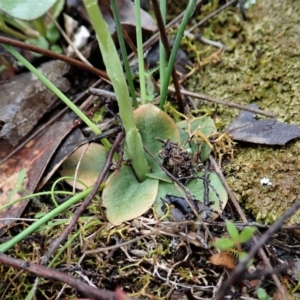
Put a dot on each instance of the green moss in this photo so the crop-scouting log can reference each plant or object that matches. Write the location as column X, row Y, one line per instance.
column 262, row 66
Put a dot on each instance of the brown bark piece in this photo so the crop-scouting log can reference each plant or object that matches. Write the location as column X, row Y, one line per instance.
column 25, row 99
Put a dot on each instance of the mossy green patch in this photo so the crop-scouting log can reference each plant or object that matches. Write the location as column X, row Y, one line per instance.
column 261, row 66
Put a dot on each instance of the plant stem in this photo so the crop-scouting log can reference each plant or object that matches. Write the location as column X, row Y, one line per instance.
column 112, row 62
column 31, row 196
column 140, row 51
column 124, row 52
column 133, row 142
column 64, row 247
column 165, row 42
column 187, row 14
column 22, row 26
column 162, row 52
column 10, row 31
column 35, row 226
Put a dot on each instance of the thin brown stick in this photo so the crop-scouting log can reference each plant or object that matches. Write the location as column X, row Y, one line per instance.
column 85, row 203
column 68, row 40
column 228, row 189
column 276, row 270
column 253, row 224
column 67, row 59
column 227, row 103
column 104, row 93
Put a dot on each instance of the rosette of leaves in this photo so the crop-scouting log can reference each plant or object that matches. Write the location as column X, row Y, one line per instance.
column 141, row 182
column 125, row 197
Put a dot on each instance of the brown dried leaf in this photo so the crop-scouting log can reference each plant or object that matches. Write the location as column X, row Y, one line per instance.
column 34, row 158
column 223, row 259
column 127, row 17
column 74, row 140
column 183, row 64
column 269, row 132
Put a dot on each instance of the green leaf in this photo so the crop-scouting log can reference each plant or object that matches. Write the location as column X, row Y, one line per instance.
column 21, row 177
column 246, row 234
column 224, row 244
column 196, row 188
column 262, row 294
column 160, row 176
column 217, row 193
column 152, row 123
column 52, row 33
column 232, row 231
column 57, row 8
column 165, row 188
column 242, row 256
column 40, row 42
column 26, row 9
column 125, row 198
column 92, row 159
column 56, row 49
column 192, row 131
column 134, row 150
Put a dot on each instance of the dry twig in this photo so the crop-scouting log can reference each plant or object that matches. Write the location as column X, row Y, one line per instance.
column 87, row 290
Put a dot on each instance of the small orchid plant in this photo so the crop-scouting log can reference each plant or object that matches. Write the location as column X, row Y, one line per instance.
column 143, row 183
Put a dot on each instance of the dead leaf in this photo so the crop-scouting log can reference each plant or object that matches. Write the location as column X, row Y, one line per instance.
column 269, row 131
column 34, row 158
column 183, row 64
column 223, row 259
column 5, row 149
column 74, row 140
column 25, row 99
column 127, row 17
column 192, row 237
